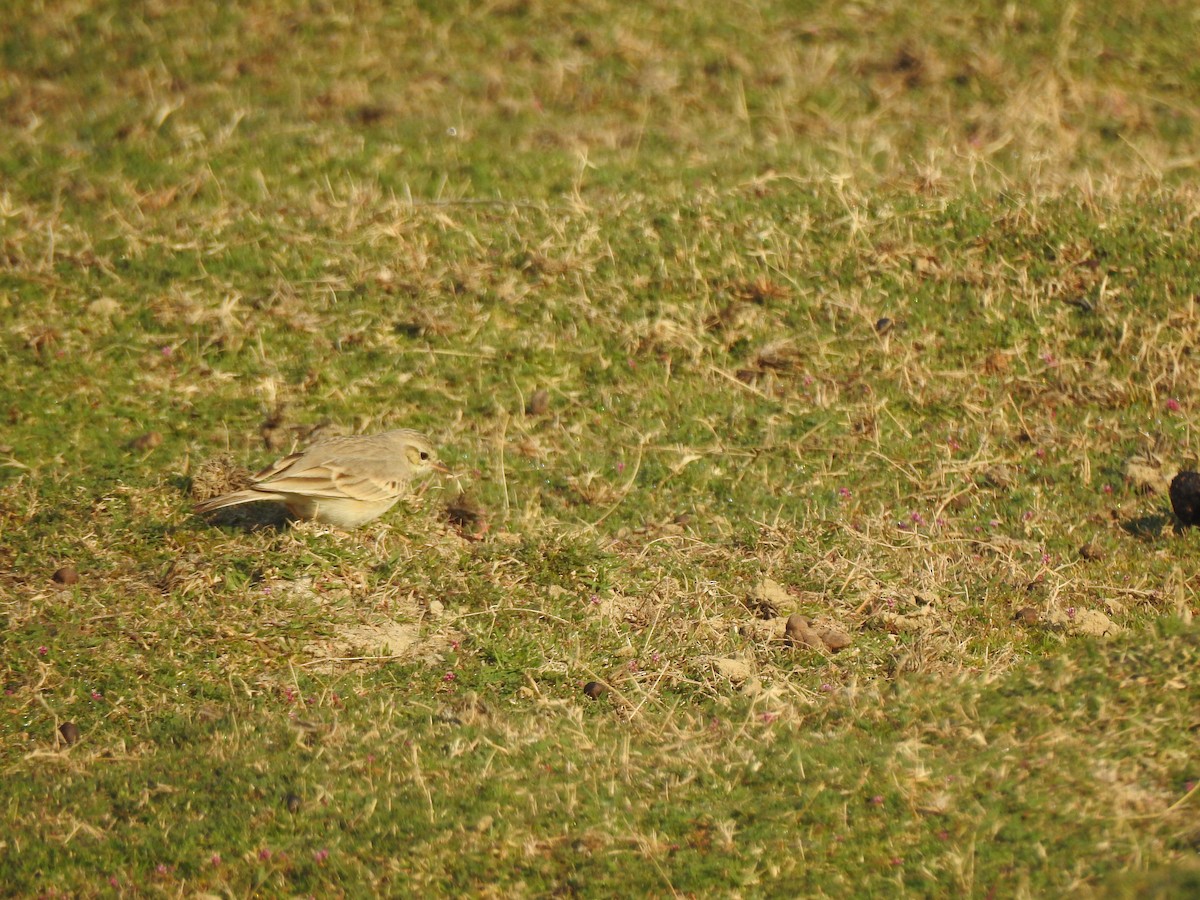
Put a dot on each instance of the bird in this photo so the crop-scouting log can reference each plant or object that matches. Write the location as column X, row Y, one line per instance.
column 1185, row 497
column 341, row 481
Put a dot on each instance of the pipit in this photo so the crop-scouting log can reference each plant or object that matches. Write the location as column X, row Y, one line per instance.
column 342, row 481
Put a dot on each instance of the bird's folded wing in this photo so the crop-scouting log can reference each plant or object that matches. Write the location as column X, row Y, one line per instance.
column 333, row 482
column 275, row 468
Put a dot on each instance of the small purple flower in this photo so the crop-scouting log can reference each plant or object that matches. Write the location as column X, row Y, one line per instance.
column 844, row 493
column 215, row 859
column 161, row 869
column 321, row 855
column 1070, row 612
column 917, row 518
column 826, row 687
column 877, row 800
column 1173, row 405
column 1108, row 489
column 264, row 854
column 43, row 650
column 96, row 695
column 449, row 676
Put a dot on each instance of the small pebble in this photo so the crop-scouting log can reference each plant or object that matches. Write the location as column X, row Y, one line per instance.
column 595, row 690
column 1026, row 615
column 800, row 634
column 147, row 441
column 69, row 732
column 834, row 639
column 883, row 325
column 66, row 576
column 1091, row 551
column 539, row 403
column 292, row 802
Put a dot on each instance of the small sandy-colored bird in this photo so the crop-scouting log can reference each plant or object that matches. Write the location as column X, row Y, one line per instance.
column 342, row 481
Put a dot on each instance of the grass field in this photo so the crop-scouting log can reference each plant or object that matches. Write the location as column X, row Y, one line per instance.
column 879, row 313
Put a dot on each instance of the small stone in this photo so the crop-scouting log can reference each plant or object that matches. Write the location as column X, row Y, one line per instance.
column 884, row 325
column 834, row 638
column 736, row 670
column 1147, row 475
column 539, row 403
column 292, row 802
column 1026, row 615
column 595, row 690
column 69, row 732
column 1185, row 497
column 66, row 576
column 1094, row 623
column 799, row 633
column 1091, row 551
column 147, row 441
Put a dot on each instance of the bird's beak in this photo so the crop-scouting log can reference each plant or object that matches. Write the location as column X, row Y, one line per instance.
column 440, row 466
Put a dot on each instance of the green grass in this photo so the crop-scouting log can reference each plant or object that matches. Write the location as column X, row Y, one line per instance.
column 226, row 228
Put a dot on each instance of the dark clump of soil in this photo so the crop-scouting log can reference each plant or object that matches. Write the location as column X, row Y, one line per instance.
column 1185, row 497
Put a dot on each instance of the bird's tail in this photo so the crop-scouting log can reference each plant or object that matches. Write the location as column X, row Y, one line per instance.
column 234, row 499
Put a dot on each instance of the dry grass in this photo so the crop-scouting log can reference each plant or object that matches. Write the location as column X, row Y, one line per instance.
column 878, row 316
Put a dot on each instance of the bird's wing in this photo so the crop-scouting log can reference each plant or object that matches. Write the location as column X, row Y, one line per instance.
column 342, row 478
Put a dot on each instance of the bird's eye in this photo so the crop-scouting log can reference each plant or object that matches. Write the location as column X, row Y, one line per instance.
column 424, row 454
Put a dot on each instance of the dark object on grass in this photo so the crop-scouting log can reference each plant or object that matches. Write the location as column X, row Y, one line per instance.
column 594, row 689
column 468, row 516
column 292, row 802
column 884, row 325
column 1185, row 497
column 1026, row 615
column 66, row 576
column 539, row 403
column 69, row 732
